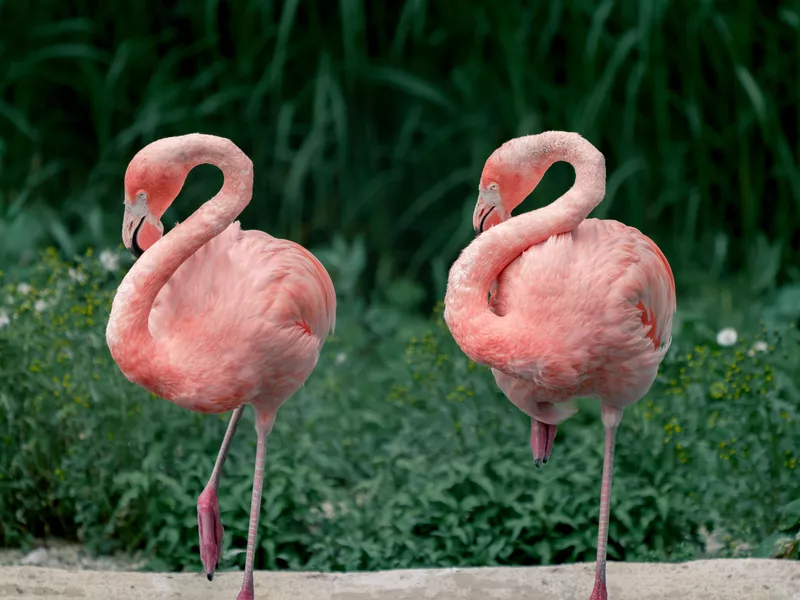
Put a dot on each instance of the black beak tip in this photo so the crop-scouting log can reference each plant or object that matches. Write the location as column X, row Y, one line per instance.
column 135, row 248
column 479, row 228
column 210, row 576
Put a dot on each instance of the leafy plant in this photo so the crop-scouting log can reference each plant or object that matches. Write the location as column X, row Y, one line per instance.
column 399, row 452
column 785, row 542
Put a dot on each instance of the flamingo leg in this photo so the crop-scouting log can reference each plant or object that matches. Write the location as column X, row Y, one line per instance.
column 209, row 523
column 264, row 425
column 599, row 592
column 542, row 436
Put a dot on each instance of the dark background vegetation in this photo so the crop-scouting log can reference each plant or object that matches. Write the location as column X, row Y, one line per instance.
column 373, row 119
column 368, row 124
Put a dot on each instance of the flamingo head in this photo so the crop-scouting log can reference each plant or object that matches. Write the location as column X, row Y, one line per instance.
column 152, row 181
column 508, row 177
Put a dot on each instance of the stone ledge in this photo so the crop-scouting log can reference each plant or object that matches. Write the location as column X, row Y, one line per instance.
column 739, row 579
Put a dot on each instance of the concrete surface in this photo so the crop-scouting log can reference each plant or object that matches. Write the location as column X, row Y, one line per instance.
column 736, row 579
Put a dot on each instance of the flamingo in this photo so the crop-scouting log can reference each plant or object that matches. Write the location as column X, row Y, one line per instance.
column 212, row 317
column 580, row 307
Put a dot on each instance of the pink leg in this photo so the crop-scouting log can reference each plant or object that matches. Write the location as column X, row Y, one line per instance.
column 264, row 425
column 611, row 419
column 542, row 436
column 209, row 523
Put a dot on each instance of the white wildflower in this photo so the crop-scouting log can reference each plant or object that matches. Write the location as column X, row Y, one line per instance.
column 340, row 358
column 328, row 510
column 759, row 346
column 76, row 275
column 109, row 260
column 4, row 320
column 40, row 305
column 24, row 288
column 727, row 336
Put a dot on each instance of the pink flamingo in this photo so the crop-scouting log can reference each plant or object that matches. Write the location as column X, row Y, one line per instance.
column 580, row 307
column 212, row 317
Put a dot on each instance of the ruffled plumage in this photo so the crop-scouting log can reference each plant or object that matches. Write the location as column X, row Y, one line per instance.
column 244, row 294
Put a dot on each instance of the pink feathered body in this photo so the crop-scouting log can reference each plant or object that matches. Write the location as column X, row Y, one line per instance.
column 597, row 304
column 242, row 320
column 579, row 307
column 211, row 317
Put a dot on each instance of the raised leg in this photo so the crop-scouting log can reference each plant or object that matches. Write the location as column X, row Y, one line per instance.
column 542, row 436
column 611, row 421
column 264, row 423
column 209, row 523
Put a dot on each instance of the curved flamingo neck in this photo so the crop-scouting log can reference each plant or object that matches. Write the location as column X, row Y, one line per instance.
column 478, row 331
column 128, row 334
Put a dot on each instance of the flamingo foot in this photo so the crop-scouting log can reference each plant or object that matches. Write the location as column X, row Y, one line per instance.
column 542, row 437
column 599, row 592
column 247, row 592
column 209, row 525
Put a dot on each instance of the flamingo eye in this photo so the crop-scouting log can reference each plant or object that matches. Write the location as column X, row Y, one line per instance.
column 493, row 187
column 141, row 197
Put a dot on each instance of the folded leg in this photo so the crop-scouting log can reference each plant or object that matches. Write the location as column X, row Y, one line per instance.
column 542, row 437
column 209, row 523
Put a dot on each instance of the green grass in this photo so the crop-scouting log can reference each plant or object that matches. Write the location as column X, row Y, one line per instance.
column 398, row 452
column 374, row 119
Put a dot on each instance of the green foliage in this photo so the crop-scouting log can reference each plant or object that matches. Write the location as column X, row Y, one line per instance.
column 399, row 452
column 375, row 118
column 784, row 543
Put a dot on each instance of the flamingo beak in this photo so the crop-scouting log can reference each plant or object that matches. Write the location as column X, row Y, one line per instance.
column 131, row 225
column 488, row 213
column 480, row 222
column 140, row 228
